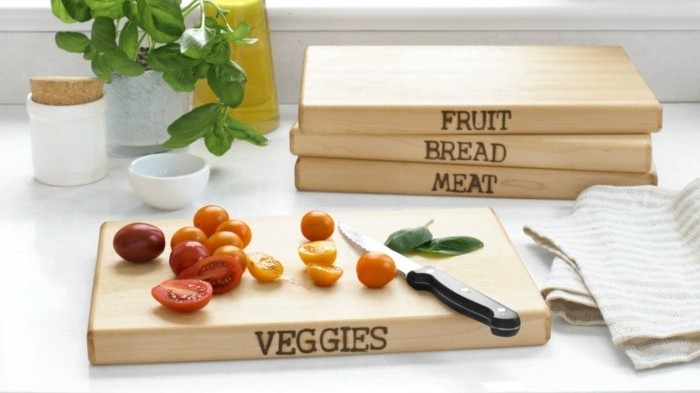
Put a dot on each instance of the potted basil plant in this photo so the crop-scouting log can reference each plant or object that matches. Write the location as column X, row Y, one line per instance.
column 128, row 37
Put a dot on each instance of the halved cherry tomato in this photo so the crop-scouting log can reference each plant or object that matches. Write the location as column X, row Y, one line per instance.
column 187, row 233
column 187, row 254
column 264, row 267
column 322, row 275
column 320, row 252
column 209, row 217
column 223, row 238
column 238, row 227
column 183, row 295
column 223, row 272
column 139, row 242
column 375, row 269
column 233, row 251
column 317, row 225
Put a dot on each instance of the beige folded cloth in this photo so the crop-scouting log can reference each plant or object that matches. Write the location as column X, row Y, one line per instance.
column 629, row 257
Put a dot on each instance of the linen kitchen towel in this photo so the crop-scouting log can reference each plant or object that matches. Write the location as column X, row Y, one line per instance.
column 629, row 257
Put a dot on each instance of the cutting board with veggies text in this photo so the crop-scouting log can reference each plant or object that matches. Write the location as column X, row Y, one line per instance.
column 292, row 317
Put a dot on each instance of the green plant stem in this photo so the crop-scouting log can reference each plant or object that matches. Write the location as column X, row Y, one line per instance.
column 220, row 13
column 193, row 5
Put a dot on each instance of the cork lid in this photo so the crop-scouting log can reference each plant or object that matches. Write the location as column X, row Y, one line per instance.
column 65, row 90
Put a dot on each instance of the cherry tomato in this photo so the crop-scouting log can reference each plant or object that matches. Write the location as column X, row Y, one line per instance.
column 223, row 238
column 187, row 254
column 233, row 251
column 187, row 233
column 209, row 217
column 183, row 295
column 264, row 267
column 321, row 252
column 223, row 272
column 139, row 242
column 238, row 227
column 323, row 275
column 317, row 225
column 375, row 269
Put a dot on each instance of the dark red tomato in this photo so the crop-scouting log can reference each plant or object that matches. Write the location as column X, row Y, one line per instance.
column 139, row 242
column 183, row 295
column 186, row 254
column 223, row 272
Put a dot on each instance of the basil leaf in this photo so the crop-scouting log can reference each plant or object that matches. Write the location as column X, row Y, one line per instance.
column 113, row 9
column 453, row 245
column 409, row 238
column 238, row 34
column 72, row 41
column 181, row 79
column 122, row 64
column 195, row 42
column 161, row 19
column 100, row 66
column 193, row 125
column 243, row 131
column 129, row 39
column 218, row 141
column 168, row 57
column 227, row 81
column 219, row 52
column 103, row 35
column 70, row 11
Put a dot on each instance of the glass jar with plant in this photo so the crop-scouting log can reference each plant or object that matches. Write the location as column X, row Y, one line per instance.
column 130, row 36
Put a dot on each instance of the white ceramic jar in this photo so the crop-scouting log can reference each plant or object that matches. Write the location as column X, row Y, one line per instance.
column 69, row 142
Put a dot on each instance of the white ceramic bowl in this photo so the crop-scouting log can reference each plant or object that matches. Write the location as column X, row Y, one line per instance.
column 169, row 181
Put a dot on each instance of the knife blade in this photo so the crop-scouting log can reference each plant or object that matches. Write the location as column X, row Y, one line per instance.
column 503, row 321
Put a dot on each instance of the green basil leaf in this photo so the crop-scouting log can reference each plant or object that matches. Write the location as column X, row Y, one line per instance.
column 122, row 64
column 72, row 41
column 409, row 238
column 104, row 35
column 130, row 10
column 129, row 39
column 195, row 42
column 238, row 34
column 113, row 9
column 168, row 57
column 201, row 70
column 245, row 132
column 182, row 80
column 70, row 11
column 193, row 125
column 219, row 52
column 218, row 141
column 100, row 66
column 161, row 19
column 453, row 245
column 227, row 81
column 89, row 53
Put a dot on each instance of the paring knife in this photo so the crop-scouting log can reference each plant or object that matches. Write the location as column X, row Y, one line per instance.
column 468, row 301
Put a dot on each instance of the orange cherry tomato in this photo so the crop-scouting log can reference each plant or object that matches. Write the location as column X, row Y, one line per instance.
column 264, row 267
column 233, row 251
column 238, row 227
column 375, row 269
column 223, row 238
column 209, row 217
column 183, row 295
column 322, row 275
column 317, row 225
column 320, row 252
column 186, row 234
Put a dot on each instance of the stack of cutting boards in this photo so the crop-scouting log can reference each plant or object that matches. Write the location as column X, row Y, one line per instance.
column 487, row 121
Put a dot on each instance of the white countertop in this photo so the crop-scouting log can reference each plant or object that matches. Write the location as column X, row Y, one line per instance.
column 49, row 238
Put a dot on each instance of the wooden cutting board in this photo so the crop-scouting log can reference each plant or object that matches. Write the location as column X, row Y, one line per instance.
column 293, row 318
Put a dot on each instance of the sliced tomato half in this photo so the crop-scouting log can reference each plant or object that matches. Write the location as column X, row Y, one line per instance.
column 223, row 272
column 183, row 295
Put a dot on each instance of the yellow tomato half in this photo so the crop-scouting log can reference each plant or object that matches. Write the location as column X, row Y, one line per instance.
column 322, row 252
column 264, row 267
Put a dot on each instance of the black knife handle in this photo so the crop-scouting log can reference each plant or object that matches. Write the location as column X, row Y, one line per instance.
column 503, row 321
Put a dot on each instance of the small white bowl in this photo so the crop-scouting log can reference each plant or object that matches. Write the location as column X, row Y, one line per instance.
column 169, row 181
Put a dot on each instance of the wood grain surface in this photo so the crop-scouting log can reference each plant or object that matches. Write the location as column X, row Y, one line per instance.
column 474, row 90
column 292, row 317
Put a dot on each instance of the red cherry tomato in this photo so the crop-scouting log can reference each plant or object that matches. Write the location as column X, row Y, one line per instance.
column 139, row 242
column 183, row 295
column 223, row 272
column 186, row 254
